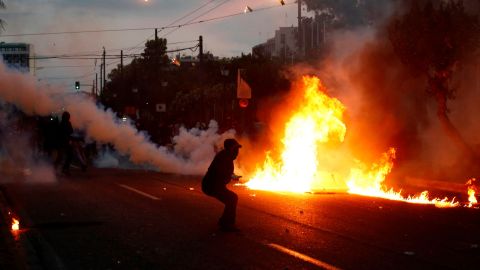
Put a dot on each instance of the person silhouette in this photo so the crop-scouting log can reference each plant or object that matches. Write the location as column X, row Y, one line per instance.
column 214, row 183
column 65, row 143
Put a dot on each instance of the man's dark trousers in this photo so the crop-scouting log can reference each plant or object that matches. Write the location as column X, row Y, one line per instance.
column 230, row 199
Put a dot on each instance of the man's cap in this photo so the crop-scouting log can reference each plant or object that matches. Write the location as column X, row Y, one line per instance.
column 231, row 143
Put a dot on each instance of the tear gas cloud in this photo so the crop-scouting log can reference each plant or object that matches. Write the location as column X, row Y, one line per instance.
column 193, row 149
column 17, row 152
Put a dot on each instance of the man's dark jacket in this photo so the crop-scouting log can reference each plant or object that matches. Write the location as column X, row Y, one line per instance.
column 66, row 131
column 219, row 174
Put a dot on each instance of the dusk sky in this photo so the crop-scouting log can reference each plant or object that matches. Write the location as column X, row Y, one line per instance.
column 225, row 38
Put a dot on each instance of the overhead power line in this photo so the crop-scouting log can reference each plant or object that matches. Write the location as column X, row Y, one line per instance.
column 143, row 28
column 192, row 12
column 77, row 66
column 98, row 56
column 170, row 26
column 99, row 52
column 199, row 16
column 111, row 57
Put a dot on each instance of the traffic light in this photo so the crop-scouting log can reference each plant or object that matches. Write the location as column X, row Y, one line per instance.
column 77, row 85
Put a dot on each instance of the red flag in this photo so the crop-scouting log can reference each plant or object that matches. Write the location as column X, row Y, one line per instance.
column 243, row 89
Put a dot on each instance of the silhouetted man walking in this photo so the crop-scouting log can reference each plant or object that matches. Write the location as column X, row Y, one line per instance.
column 65, row 146
column 215, row 182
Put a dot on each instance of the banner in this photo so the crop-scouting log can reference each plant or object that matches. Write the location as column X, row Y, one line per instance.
column 243, row 89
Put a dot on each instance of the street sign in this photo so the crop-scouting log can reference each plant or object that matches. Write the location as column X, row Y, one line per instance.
column 243, row 89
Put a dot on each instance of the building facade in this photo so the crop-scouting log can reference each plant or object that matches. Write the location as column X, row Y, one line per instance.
column 291, row 44
column 18, row 56
column 283, row 45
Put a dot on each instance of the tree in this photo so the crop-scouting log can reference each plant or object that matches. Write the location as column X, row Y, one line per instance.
column 349, row 13
column 154, row 54
column 434, row 40
column 2, row 22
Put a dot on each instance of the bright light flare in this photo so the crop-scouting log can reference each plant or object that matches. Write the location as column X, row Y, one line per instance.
column 15, row 224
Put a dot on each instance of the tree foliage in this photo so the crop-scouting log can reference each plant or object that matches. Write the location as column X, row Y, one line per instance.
column 349, row 13
column 192, row 92
column 434, row 39
column 2, row 6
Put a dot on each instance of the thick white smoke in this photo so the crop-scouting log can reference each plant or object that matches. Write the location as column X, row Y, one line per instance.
column 18, row 159
column 193, row 149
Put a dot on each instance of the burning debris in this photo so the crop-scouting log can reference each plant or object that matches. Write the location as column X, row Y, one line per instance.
column 15, row 225
column 472, row 189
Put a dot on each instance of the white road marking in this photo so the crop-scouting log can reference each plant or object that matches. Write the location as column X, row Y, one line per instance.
column 303, row 257
column 139, row 192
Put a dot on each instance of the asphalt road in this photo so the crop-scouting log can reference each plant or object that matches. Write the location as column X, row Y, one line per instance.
column 125, row 219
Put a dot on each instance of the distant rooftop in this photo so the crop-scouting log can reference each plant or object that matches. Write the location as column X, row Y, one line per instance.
column 17, row 44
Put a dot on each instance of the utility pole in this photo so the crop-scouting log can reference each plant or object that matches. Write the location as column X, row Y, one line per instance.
column 96, row 84
column 300, row 29
column 104, row 72
column 101, row 79
column 200, row 48
column 121, row 63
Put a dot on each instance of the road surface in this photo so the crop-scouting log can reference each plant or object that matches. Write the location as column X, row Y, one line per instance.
column 128, row 219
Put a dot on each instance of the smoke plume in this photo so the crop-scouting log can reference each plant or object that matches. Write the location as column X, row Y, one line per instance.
column 193, row 149
column 18, row 157
column 388, row 105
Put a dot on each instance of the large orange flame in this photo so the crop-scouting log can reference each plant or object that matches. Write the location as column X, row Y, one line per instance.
column 319, row 120
column 314, row 158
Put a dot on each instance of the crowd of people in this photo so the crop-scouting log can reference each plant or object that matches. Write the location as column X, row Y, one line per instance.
column 54, row 138
column 49, row 138
column 63, row 145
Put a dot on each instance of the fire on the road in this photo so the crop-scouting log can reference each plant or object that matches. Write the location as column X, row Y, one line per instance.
column 15, row 224
column 313, row 157
column 472, row 200
column 318, row 121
